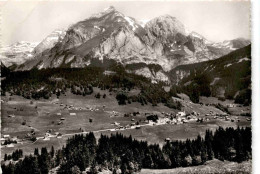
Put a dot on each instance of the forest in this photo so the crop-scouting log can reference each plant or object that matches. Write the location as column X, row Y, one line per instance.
column 126, row 155
column 37, row 84
column 44, row 83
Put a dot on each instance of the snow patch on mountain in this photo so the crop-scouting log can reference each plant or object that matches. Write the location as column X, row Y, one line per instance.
column 131, row 22
column 105, row 11
column 143, row 22
column 243, row 59
column 17, row 53
column 227, row 65
column 50, row 41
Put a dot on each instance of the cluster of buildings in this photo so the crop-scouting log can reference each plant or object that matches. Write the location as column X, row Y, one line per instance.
column 172, row 118
column 49, row 134
column 9, row 141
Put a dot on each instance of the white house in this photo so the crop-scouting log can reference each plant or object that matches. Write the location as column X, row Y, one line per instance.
column 6, row 136
column 72, row 114
column 181, row 114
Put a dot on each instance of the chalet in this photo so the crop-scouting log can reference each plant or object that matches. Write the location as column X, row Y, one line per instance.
column 200, row 120
column 14, row 138
column 47, row 134
column 132, row 124
column 194, row 113
column 138, row 127
column 72, row 114
column 167, row 139
column 49, row 131
column 6, row 136
column 59, row 135
column 46, row 139
column 181, row 114
column 62, row 118
column 12, row 115
column 184, row 121
column 178, row 119
column 58, row 113
column 10, row 145
column 227, row 118
column 116, row 123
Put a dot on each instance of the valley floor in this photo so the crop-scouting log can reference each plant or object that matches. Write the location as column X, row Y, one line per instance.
column 71, row 114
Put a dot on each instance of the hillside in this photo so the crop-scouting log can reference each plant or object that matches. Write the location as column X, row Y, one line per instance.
column 227, row 77
column 213, row 166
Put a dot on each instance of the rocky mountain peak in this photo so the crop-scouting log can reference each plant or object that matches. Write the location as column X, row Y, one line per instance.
column 106, row 11
column 110, row 36
column 197, row 35
column 50, row 41
column 166, row 23
column 109, row 9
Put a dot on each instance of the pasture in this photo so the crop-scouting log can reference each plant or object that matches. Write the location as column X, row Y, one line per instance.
column 70, row 114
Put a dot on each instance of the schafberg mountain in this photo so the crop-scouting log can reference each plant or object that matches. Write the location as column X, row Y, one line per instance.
column 111, row 37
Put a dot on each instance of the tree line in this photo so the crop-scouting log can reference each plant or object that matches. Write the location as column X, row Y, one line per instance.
column 121, row 154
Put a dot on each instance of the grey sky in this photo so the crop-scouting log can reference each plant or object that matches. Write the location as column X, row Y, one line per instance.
column 33, row 21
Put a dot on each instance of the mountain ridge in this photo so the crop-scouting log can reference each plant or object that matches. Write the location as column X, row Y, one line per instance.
column 110, row 36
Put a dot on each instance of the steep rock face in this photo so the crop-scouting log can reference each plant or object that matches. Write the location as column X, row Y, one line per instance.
column 50, row 41
column 100, row 25
column 17, row 53
column 180, row 74
column 165, row 29
column 110, row 36
column 155, row 76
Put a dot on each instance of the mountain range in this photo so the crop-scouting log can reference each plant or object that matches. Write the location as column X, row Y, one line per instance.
column 152, row 49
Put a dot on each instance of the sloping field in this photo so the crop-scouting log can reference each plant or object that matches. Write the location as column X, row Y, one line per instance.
column 212, row 167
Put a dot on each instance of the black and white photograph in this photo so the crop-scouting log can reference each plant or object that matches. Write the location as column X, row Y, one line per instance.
column 126, row 87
